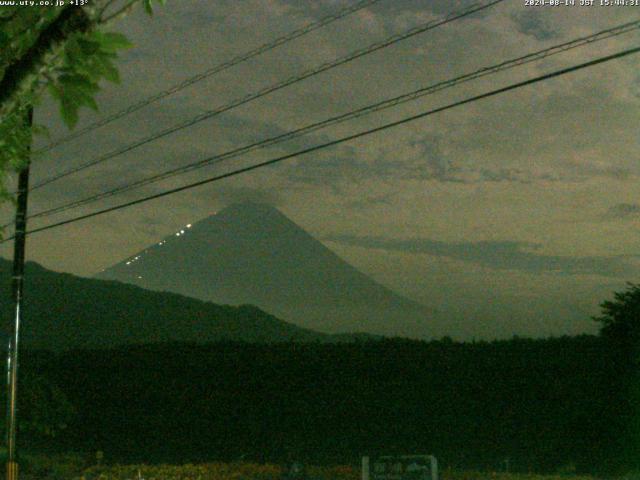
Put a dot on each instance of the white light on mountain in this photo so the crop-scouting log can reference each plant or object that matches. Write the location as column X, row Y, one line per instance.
column 188, row 225
column 129, row 262
column 178, row 234
column 182, row 231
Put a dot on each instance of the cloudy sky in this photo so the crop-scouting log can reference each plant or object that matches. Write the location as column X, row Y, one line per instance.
column 516, row 214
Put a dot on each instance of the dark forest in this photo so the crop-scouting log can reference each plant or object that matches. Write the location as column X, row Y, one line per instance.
column 546, row 405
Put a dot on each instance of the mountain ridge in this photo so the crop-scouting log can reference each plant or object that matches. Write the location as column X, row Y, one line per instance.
column 63, row 311
column 253, row 253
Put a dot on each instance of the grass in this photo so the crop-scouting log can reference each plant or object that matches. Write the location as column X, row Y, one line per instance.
column 74, row 467
column 249, row 471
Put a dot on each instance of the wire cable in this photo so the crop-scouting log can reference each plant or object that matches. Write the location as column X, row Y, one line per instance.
column 275, row 87
column 264, row 48
column 341, row 140
column 379, row 106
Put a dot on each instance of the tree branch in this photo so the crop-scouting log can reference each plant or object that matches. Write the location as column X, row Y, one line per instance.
column 21, row 75
column 118, row 13
column 103, row 9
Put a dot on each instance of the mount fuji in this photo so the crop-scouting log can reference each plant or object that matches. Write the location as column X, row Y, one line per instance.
column 251, row 253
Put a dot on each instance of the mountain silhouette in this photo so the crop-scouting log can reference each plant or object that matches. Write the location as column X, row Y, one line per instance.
column 63, row 311
column 252, row 253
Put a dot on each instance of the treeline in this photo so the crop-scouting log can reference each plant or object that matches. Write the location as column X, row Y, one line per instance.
column 534, row 405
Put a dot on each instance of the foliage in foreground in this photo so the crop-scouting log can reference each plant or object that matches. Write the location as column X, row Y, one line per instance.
column 249, row 471
column 472, row 475
column 40, row 466
column 63, row 50
column 212, row 471
column 620, row 317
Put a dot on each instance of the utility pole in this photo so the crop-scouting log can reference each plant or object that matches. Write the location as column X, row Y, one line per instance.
column 18, row 286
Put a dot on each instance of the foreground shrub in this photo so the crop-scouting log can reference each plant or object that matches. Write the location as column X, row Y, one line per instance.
column 250, row 471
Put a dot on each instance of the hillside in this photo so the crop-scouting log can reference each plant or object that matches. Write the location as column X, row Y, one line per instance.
column 66, row 311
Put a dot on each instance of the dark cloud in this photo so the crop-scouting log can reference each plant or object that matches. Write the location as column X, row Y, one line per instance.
column 502, row 255
column 387, row 10
column 230, row 194
column 504, row 175
column 426, row 162
column 432, row 163
column 530, row 22
column 332, row 169
column 371, row 201
column 608, row 171
column 623, row 210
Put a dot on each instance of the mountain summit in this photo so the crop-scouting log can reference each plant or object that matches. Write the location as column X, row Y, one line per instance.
column 251, row 253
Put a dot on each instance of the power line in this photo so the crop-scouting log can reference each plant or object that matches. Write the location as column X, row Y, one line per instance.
column 379, row 106
column 243, row 57
column 341, row 140
column 275, row 87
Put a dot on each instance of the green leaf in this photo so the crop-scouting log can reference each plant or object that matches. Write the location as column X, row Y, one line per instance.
column 92, row 104
column 55, row 91
column 112, row 41
column 147, row 7
column 75, row 80
column 107, row 69
column 89, row 89
column 89, row 46
column 69, row 111
column 73, row 51
column 39, row 129
column 112, row 74
column 4, row 40
column 80, row 97
column 79, row 82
